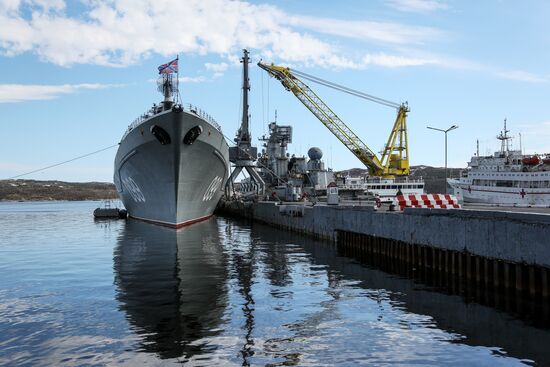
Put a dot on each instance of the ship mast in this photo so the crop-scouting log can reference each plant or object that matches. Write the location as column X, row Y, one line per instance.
column 244, row 154
column 243, row 136
column 167, row 85
column 503, row 137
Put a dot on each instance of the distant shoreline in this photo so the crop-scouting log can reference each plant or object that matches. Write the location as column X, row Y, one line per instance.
column 52, row 190
column 53, row 200
column 35, row 190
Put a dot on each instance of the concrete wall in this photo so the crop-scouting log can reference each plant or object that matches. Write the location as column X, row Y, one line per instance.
column 512, row 237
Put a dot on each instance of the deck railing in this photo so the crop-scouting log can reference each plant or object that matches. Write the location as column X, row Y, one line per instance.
column 187, row 107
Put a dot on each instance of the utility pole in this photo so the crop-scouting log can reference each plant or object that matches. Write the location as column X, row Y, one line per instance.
column 445, row 131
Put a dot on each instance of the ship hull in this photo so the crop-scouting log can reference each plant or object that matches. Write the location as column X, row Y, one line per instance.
column 171, row 183
column 469, row 193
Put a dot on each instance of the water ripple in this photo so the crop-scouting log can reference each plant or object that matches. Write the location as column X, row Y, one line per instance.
column 74, row 291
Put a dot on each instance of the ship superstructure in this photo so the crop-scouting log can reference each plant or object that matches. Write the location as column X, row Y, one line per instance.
column 290, row 177
column 508, row 177
column 386, row 189
column 173, row 161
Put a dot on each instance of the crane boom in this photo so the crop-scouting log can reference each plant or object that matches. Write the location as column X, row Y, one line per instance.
column 394, row 161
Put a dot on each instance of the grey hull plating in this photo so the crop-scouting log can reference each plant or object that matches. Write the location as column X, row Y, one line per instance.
column 173, row 184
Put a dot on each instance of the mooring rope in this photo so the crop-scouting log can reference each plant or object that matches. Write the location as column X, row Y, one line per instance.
column 64, row 162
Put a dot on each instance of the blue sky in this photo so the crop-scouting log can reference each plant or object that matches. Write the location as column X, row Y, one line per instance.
column 74, row 74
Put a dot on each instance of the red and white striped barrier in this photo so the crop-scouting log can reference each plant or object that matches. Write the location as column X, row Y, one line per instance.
column 426, row 201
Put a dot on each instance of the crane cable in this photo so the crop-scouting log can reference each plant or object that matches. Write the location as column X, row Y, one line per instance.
column 64, row 162
column 114, row 145
column 347, row 90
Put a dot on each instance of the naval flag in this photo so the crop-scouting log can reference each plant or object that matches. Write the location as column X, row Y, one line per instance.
column 169, row 68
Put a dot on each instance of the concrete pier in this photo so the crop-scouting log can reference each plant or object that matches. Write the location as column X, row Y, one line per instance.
column 502, row 250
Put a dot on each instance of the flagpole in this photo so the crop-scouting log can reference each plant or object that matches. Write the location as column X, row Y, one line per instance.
column 178, row 76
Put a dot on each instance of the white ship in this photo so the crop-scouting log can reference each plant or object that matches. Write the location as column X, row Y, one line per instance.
column 386, row 189
column 506, row 178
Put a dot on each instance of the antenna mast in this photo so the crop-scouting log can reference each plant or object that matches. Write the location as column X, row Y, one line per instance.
column 503, row 137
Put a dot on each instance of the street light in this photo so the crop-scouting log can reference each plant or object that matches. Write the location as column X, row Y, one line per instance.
column 445, row 131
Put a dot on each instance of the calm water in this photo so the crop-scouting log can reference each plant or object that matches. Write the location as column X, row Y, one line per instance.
column 74, row 291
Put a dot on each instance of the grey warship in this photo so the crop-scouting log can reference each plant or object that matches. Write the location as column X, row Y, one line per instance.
column 173, row 161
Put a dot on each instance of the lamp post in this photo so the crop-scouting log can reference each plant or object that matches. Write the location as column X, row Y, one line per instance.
column 445, row 131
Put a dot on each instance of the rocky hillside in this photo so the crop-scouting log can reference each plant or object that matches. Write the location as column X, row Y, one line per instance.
column 16, row 190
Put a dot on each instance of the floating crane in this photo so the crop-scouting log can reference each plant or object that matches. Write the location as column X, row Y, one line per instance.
column 395, row 156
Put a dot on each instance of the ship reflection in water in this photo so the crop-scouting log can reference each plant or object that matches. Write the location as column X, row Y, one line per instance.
column 172, row 285
column 232, row 293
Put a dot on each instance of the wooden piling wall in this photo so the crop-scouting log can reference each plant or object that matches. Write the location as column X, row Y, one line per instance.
column 526, row 281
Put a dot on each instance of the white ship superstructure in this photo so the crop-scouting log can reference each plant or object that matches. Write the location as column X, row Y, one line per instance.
column 386, row 189
column 506, row 178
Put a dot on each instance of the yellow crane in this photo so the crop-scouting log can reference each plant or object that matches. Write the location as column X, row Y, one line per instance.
column 395, row 156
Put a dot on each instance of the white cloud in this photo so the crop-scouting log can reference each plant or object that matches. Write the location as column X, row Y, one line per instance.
column 48, row 5
column 9, row 6
column 393, row 61
column 541, row 129
column 10, row 93
column 217, row 68
column 119, row 33
column 192, row 79
column 468, row 65
column 418, row 6
column 384, row 32
column 122, row 32
column 522, row 76
column 534, row 137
